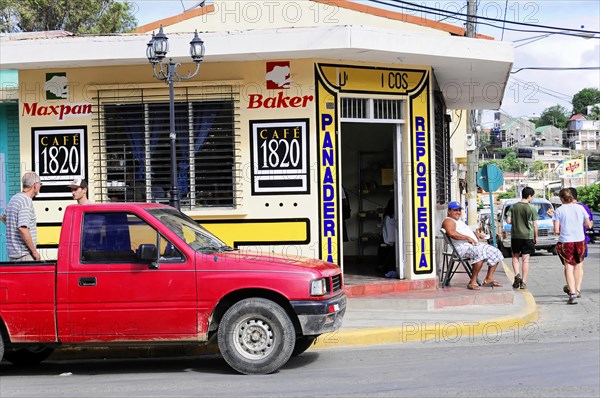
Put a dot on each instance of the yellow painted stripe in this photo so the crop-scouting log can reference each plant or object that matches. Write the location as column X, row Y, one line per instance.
column 48, row 235
column 267, row 232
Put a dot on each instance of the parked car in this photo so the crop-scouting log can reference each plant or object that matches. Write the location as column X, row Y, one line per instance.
column 546, row 237
column 594, row 233
column 484, row 222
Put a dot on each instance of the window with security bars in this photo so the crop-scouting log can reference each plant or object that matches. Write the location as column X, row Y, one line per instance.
column 442, row 151
column 135, row 152
column 372, row 109
column 387, row 109
column 355, row 108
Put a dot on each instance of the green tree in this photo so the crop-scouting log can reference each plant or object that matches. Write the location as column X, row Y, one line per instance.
column 77, row 16
column 594, row 114
column 538, row 169
column 594, row 161
column 512, row 163
column 507, row 195
column 590, row 195
column 585, row 97
column 555, row 115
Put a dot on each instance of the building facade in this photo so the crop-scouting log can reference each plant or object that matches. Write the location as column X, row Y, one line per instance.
column 582, row 134
column 285, row 118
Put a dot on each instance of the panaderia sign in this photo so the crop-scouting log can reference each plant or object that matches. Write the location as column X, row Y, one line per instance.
column 335, row 80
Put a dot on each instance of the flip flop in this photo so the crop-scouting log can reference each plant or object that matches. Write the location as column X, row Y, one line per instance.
column 473, row 287
column 492, row 284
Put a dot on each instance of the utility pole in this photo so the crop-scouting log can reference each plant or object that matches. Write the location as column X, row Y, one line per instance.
column 472, row 155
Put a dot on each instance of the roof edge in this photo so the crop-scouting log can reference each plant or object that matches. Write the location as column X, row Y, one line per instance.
column 196, row 12
column 347, row 4
column 397, row 16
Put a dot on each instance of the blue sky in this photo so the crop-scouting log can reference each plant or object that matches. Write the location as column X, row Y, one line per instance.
column 528, row 92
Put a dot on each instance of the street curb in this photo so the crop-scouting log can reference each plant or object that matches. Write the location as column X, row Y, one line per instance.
column 439, row 331
column 410, row 332
column 391, row 286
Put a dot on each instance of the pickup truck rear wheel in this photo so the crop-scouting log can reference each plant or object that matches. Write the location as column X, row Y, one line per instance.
column 1, row 348
column 256, row 336
column 28, row 356
column 303, row 343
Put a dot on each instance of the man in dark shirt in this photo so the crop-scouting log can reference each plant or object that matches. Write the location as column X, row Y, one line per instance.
column 524, row 235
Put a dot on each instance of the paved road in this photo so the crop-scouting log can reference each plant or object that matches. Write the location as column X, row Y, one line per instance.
column 557, row 356
column 559, row 321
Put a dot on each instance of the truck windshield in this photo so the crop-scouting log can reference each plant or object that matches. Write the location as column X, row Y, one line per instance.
column 196, row 236
column 540, row 208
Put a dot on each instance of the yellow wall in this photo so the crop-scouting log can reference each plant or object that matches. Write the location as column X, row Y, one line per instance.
column 288, row 224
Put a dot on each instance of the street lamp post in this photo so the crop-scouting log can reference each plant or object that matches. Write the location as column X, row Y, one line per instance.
column 156, row 52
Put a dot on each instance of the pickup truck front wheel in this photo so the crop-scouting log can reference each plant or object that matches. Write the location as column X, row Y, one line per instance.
column 256, row 336
column 1, row 348
column 28, row 356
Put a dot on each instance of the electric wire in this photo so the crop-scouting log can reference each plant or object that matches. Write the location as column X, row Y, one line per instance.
column 545, row 90
column 448, row 14
column 549, row 68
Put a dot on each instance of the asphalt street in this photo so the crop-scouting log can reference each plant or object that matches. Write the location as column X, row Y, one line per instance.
column 556, row 356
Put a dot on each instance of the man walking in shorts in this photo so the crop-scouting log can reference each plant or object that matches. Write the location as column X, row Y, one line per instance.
column 524, row 235
column 568, row 222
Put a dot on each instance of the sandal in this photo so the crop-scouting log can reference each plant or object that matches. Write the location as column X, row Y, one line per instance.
column 492, row 284
column 473, row 287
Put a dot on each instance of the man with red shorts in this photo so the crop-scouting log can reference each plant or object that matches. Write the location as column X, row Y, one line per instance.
column 568, row 221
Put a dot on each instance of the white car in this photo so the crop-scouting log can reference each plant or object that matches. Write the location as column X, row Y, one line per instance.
column 546, row 238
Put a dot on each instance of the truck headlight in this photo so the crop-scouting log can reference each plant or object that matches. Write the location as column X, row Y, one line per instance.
column 318, row 287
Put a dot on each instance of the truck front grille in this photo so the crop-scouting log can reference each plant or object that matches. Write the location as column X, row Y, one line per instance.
column 336, row 282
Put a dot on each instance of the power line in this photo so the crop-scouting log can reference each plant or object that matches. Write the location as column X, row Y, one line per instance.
column 544, row 90
column 456, row 15
column 551, row 68
column 449, row 16
column 532, row 89
column 494, row 19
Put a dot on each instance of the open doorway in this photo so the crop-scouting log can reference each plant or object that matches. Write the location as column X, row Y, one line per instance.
column 369, row 168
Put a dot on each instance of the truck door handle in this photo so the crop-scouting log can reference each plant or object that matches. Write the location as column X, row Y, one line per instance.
column 87, row 281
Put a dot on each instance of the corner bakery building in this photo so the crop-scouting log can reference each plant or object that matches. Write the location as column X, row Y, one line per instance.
column 304, row 103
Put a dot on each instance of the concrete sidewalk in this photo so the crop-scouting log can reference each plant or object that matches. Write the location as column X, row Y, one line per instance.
column 384, row 311
column 431, row 314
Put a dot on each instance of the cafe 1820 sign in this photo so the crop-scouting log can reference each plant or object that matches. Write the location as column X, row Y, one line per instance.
column 279, row 156
column 59, row 156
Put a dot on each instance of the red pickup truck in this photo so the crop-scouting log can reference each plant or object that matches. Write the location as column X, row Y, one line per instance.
column 147, row 274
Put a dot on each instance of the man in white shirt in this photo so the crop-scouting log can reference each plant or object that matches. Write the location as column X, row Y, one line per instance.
column 79, row 190
column 468, row 246
column 21, row 222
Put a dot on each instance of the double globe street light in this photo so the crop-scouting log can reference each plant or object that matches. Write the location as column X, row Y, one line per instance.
column 156, row 51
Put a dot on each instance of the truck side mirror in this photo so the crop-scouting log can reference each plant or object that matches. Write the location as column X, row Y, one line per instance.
column 147, row 252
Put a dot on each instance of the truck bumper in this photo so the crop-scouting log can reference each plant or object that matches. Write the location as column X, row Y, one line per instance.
column 318, row 317
column 542, row 243
column 546, row 243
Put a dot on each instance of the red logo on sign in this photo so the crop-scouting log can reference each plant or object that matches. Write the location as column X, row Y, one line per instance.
column 572, row 167
column 256, row 101
column 279, row 75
